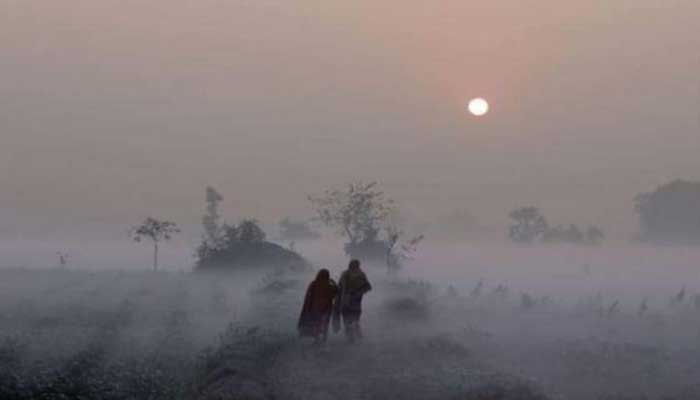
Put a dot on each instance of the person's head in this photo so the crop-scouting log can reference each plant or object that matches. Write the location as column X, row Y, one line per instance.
column 354, row 265
column 323, row 275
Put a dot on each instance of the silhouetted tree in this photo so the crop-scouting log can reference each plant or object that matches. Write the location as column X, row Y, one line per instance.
column 210, row 220
column 249, row 231
column 529, row 225
column 362, row 214
column 156, row 231
column 396, row 252
column 358, row 212
column 671, row 213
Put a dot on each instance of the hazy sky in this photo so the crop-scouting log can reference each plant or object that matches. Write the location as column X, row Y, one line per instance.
column 111, row 110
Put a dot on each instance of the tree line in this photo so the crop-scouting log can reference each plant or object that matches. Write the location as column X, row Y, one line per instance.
column 366, row 217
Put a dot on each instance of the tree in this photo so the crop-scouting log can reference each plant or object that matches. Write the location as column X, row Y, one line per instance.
column 359, row 212
column 250, row 232
column 210, row 220
column 529, row 225
column 573, row 235
column 156, row 231
column 594, row 235
column 397, row 253
column 362, row 213
column 560, row 234
column 671, row 213
column 244, row 246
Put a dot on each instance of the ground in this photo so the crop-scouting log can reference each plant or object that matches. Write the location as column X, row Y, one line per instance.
column 146, row 335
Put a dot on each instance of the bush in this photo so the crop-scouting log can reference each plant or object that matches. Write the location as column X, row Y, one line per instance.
column 244, row 247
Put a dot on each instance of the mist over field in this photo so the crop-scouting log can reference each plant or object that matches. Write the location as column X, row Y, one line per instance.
column 518, row 180
column 474, row 321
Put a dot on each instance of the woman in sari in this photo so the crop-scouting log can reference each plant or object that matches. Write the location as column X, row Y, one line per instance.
column 318, row 307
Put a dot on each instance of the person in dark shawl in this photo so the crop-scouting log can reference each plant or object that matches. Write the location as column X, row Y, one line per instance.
column 353, row 285
column 318, row 307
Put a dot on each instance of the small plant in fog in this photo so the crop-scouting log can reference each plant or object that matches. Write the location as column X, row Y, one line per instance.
column 678, row 298
column 452, row 291
column 397, row 253
column 560, row 234
column 594, row 235
column 613, row 309
column 527, row 301
column 156, row 231
column 573, row 235
column 476, row 291
column 62, row 259
column 643, row 307
column 500, row 291
column 276, row 283
column 529, row 225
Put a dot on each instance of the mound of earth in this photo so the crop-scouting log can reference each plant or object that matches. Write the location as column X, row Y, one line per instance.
column 252, row 255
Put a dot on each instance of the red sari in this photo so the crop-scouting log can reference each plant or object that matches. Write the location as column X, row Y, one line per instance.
column 318, row 307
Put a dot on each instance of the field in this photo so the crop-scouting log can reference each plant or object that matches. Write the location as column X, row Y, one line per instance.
column 78, row 334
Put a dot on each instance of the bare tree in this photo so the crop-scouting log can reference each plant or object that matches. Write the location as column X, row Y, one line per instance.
column 358, row 212
column 156, row 231
column 398, row 252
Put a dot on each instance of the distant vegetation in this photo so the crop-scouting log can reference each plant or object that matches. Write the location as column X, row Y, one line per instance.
column 573, row 235
column 671, row 213
column 227, row 247
column 154, row 230
column 362, row 213
column 531, row 226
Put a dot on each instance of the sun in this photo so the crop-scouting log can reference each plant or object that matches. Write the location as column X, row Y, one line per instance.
column 478, row 106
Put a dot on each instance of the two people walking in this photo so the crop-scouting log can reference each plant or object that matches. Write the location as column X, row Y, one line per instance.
column 326, row 301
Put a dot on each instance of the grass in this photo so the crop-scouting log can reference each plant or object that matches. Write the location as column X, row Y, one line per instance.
column 118, row 335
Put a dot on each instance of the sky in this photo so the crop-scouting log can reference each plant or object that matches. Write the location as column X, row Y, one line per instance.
column 114, row 110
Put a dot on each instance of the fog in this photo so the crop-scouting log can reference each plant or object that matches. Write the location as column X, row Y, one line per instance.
column 431, row 332
column 125, row 109
column 549, row 249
